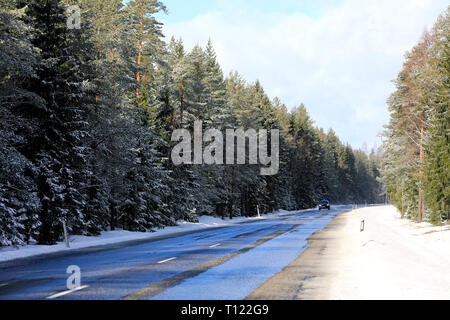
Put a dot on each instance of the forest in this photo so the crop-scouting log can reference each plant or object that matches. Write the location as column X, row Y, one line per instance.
column 86, row 117
column 416, row 149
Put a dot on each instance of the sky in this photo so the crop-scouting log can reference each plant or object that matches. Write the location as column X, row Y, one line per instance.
column 338, row 57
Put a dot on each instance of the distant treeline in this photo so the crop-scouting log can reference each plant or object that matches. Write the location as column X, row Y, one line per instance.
column 417, row 139
column 87, row 116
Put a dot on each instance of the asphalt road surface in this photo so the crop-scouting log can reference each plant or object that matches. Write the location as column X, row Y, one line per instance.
column 219, row 263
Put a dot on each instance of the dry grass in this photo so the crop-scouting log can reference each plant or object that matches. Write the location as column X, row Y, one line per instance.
column 433, row 231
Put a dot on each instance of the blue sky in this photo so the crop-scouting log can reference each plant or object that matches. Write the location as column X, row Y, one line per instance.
column 338, row 57
column 182, row 10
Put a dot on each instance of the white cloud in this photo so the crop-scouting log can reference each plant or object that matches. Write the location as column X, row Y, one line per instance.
column 339, row 64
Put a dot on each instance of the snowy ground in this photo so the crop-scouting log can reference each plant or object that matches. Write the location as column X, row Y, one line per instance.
column 118, row 236
column 391, row 259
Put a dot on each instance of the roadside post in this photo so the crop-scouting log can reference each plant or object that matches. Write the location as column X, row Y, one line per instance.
column 66, row 239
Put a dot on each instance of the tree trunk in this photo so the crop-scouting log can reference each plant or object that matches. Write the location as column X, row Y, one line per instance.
column 113, row 75
column 100, row 8
column 232, row 192
column 141, row 31
column 113, row 215
column 403, row 209
column 421, row 205
column 181, row 102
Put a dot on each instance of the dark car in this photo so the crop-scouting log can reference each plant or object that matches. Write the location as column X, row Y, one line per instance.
column 324, row 204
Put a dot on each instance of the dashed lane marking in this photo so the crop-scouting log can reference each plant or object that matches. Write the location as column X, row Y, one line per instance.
column 167, row 260
column 60, row 294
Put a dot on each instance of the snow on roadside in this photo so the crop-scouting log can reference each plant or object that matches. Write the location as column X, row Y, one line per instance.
column 118, row 236
column 436, row 238
column 392, row 258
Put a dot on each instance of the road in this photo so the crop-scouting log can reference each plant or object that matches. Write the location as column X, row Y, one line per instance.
column 221, row 263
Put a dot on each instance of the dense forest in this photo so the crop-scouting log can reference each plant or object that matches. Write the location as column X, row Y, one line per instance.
column 417, row 139
column 86, row 117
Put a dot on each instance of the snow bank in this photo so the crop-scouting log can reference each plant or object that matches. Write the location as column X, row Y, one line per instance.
column 118, row 236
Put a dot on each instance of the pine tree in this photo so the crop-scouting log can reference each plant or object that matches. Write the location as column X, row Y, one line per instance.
column 19, row 204
column 416, row 147
column 146, row 31
column 437, row 157
column 58, row 148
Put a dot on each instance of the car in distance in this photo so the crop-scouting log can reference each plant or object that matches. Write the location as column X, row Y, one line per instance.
column 324, row 204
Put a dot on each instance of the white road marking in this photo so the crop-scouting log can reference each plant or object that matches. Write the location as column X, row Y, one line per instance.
column 170, row 259
column 66, row 292
column 215, row 245
column 3, row 284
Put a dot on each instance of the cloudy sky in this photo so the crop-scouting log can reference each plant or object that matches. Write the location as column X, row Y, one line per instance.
column 338, row 57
